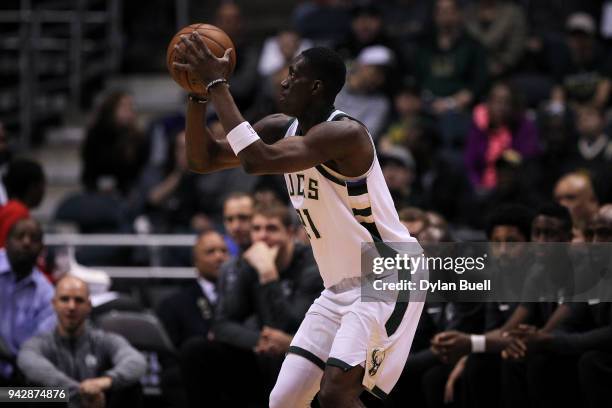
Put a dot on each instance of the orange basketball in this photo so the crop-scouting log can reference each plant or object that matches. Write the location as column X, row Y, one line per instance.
column 216, row 40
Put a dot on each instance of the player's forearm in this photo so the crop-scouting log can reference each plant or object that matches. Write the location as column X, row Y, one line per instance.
column 199, row 141
column 204, row 153
column 226, row 108
column 230, row 118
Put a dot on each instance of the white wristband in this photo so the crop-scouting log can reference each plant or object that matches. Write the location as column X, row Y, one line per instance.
column 242, row 136
column 478, row 343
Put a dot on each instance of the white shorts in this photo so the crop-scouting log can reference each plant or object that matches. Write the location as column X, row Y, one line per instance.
column 341, row 330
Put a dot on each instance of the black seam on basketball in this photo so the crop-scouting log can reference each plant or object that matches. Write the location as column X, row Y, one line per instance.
column 336, row 362
column 307, row 355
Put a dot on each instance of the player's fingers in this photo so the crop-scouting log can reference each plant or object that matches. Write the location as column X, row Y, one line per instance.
column 200, row 43
column 190, row 48
column 226, row 56
column 182, row 67
column 185, row 56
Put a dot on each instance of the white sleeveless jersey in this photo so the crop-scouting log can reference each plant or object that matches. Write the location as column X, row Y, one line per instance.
column 340, row 213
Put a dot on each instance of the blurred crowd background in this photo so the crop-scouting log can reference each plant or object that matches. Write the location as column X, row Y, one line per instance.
column 480, row 110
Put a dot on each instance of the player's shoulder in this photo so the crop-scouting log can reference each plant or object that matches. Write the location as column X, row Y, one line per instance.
column 273, row 127
column 345, row 127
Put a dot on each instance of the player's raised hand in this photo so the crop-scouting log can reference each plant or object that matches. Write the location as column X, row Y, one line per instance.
column 200, row 61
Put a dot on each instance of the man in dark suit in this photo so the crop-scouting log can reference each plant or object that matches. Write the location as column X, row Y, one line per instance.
column 189, row 312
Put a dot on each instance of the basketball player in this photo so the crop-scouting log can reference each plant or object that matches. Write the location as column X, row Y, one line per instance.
column 338, row 190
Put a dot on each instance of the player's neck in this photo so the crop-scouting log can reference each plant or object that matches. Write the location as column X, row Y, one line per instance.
column 314, row 116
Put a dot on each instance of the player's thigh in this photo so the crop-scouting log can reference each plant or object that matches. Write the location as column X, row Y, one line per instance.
column 316, row 333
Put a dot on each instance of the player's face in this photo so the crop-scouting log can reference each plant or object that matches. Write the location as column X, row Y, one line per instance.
column 209, row 253
column 269, row 230
column 296, row 89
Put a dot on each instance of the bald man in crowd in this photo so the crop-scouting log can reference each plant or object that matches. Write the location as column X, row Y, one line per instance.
column 575, row 192
column 93, row 365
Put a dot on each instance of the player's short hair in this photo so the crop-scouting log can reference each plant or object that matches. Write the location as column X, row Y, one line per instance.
column 22, row 174
column 327, row 66
column 559, row 212
column 275, row 211
column 514, row 215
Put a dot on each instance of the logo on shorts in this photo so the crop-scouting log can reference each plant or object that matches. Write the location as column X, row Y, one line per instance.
column 376, row 359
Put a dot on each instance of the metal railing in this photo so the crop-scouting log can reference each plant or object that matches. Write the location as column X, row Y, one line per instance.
column 33, row 99
column 153, row 242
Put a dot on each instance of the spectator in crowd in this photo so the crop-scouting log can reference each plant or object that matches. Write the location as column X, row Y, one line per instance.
column 326, row 22
column 237, row 214
column 450, row 66
column 552, row 223
column 25, row 186
column 263, row 297
column 501, row 27
column 228, row 17
column 575, row 192
column 582, row 71
column 115, row 150
column 405, row 22
column 366, row 30
column 25, row 294
column 594, row 150
column 497, row 126
column 558, row 155
column 398, row 168
column 594, row 144
column 94, row 366
column 173, row 202
column 189, row 312
column 409, row 123
column 414, row 219
column 278, row 51
column 363, row 96
column 512, row 187
column 583, row 340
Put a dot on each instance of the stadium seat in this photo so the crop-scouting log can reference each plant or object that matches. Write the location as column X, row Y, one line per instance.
column 143, row 330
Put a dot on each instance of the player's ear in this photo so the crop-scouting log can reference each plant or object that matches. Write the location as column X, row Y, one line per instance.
column 317, row 87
